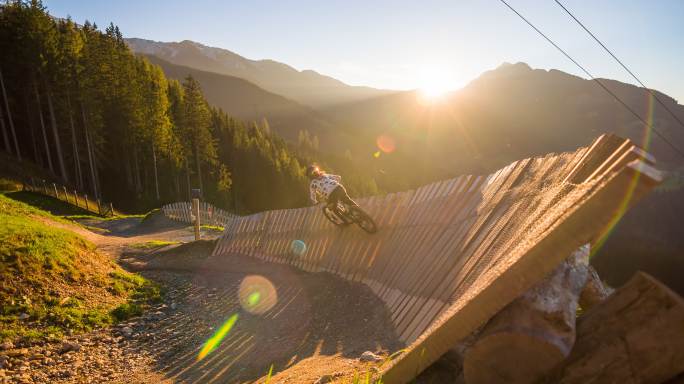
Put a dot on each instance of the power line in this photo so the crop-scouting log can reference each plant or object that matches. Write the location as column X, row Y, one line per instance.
column 620, row 62
column 593, row 78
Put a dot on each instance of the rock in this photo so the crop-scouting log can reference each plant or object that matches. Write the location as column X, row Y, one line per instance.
column 17, row 352
column 6, row 345
column 127, row 331
column 594, row 291
column 369, row 356
column 3, row 361
column 324, row 379
column 23, row 316
column 68, row 346
column 173, row 306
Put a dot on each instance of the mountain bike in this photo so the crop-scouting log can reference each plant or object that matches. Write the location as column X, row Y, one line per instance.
column 345, row 214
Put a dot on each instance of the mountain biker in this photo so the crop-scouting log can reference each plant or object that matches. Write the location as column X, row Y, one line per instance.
column 327, row 187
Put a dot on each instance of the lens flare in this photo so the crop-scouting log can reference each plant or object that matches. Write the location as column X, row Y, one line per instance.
column 298, row 247
column 257, row 294
column 218, row 336
column 626, row 200
column 385, row 143
column 376, row 154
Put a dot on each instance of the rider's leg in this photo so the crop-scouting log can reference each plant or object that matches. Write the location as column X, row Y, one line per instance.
column 344, row 197
column 338, row 194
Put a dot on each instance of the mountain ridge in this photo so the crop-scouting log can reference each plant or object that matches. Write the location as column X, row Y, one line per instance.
column 306, row 87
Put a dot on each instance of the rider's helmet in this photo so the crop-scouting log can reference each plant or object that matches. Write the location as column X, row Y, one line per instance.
column 312, row 171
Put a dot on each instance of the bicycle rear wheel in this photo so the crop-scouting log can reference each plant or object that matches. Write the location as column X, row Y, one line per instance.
column 363, row 220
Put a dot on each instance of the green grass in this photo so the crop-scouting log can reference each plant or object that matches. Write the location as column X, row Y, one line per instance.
column 149, row 214
column 58, row 280
column 153, row 244
column 9, row 185
column 212, row 227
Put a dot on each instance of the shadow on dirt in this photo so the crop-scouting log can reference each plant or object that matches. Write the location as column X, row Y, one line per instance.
column 313, row 315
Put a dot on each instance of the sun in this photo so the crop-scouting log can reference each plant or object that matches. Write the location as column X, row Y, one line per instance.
column 435, row 81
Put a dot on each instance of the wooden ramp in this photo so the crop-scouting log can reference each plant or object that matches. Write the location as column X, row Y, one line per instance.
column 450, row 255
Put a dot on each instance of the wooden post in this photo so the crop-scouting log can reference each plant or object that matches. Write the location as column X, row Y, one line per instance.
column 66, row 196
column 111, row 209
column 54, row 186
column 76, row 197
column 85, row 197
column 99, row 207
column 196, row 213
column 45, row 188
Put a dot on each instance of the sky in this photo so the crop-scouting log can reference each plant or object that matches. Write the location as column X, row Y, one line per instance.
column 396, row 44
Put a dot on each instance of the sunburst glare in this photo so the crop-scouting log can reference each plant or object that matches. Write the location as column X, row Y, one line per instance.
column 435, row 81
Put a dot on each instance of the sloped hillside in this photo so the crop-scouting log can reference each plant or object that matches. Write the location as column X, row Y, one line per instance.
column 54, row 281
column 245, row 100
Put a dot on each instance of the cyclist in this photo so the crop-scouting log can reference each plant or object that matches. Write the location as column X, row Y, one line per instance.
column 327, row 187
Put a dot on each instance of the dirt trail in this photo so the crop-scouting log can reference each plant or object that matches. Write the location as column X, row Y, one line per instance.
column 317, row 325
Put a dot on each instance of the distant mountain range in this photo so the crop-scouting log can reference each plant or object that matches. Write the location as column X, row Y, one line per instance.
column 306, row 87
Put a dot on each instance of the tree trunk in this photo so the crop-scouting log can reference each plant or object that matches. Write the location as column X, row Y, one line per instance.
column 91, row 160
column 55, row 133
column 42, row 126
column 32, row 130
column 128, row 169
column 634, row 336
column 9, row 118
column 77, row 158
column 156, row 179
column 187, row 176
column 533, row 334
column 199, row 171
column 177, row 183
column 5, row 137
column 136, row 169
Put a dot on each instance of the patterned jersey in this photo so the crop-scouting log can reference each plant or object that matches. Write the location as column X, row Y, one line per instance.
column 323, row 186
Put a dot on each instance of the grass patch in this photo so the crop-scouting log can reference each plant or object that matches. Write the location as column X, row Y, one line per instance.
column 53, row 281
column 149, row 214
column 46, row 203
column 152, row 244
column 9, row 185
column 212, row 227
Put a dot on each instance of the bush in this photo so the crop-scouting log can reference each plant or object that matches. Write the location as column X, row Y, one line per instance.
column 126, row 311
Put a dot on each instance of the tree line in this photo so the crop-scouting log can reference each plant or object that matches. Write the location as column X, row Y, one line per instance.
column 78, row 102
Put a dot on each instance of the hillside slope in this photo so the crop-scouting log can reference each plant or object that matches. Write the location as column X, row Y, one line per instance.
column 246, row 101
column 54, row 281
column 307, row 87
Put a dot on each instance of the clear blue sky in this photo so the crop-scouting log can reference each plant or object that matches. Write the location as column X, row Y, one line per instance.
column 394, row 43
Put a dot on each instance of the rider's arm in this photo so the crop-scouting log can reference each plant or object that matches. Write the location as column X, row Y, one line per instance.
column 337, row 178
